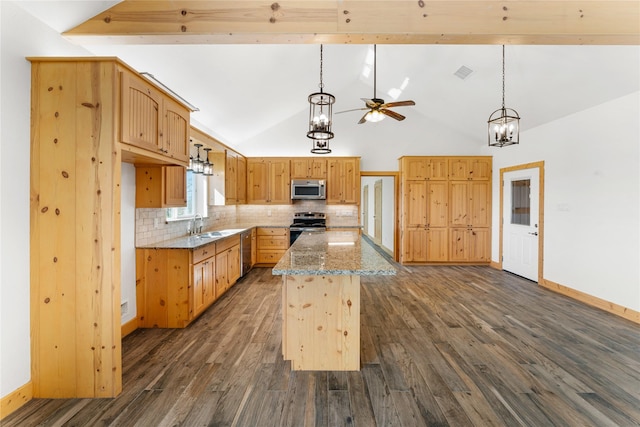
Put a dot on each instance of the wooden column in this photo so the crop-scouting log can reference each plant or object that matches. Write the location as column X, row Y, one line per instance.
column 75, row 230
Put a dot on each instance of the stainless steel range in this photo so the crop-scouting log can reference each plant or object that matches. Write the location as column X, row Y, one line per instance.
column 306, row 222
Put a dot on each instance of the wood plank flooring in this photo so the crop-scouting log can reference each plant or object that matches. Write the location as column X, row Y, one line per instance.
column 459, row 346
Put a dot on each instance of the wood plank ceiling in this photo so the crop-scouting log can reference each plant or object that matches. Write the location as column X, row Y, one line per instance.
column 534, row 22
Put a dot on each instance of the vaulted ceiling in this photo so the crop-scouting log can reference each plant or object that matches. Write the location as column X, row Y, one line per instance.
column 243, row 89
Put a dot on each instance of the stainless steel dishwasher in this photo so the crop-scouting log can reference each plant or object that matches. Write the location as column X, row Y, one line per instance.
column 245, row 251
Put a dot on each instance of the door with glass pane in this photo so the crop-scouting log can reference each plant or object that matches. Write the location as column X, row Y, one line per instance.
column 520, row 222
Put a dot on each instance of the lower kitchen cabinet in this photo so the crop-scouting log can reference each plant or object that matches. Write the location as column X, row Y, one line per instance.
column 227, row 265
column 272, row 243
column 174, row 286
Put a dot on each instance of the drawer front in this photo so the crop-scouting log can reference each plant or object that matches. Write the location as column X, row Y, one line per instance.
column 204, row 252
column 223, row 245
column 272, row 242
column 269, row 257
column 279, row 231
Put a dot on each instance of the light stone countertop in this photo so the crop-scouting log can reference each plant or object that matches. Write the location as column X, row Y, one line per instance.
column 332, row 253
column 193, row 242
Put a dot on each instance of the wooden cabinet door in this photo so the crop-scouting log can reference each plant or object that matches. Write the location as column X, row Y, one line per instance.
column 415, row 204
column 343, row 181
column 437, row 203
column 231, row 183
column 198, row 289
column 414, row 168
column 175, row 130
column 175, row 186
column 458, row 204
column 480, row 168
column 479, row 245
column 437, row 169
column 414, row 245
column 299, row 168
column 141, row 113
column 437, row 245
column 222, row 273
column 233, row 266
column 351, row 181
column 241, row 180
column 257, row 181
column 474, row 168
column 459, row 244
column 279, row 182
column 479, row 204
column 317, row 168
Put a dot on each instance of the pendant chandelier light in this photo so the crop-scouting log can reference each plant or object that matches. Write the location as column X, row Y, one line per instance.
column 207, row 168
column 197, row 166
column 504, row 123
column 320, row 117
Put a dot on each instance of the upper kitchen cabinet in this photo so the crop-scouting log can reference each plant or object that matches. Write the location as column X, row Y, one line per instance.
column 343, row 180
column 470, row 168
column 268, row 180
column 236, row 178
column 308, row 167
column 161, row 186
column 152, row 121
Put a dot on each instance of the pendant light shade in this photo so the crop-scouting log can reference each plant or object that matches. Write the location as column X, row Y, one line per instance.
column 504, row 123
column 197, row 165
column 320, row 113
column 207, row 169
column 320, row 146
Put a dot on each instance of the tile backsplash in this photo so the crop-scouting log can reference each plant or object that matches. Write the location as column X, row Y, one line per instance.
column 151, row 225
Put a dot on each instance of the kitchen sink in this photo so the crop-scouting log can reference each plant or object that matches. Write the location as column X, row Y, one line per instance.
column 210, row 235
column 220, row 233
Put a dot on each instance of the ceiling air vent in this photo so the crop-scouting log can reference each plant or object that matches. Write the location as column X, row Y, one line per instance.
column 463, row 72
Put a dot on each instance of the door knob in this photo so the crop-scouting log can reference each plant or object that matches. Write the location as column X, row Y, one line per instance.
column 535, row 233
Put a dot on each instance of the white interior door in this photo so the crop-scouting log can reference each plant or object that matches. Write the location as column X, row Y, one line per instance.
column 520, row 227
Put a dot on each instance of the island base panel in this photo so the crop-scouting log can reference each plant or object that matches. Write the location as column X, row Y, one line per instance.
column 321, row 322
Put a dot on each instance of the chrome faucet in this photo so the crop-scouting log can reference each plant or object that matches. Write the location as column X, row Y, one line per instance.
column 195, row 224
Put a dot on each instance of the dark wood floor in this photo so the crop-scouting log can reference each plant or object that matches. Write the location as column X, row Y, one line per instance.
column 442, row 345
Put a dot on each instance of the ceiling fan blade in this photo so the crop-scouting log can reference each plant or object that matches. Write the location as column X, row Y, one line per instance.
column 363, row 119
column 398, row 104
column 354, row 109
column 391, row 114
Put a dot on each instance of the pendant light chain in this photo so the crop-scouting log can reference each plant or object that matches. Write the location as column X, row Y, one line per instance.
column 321, row 85
column 503, row 87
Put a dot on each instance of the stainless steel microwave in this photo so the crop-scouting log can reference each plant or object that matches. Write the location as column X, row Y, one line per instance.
column 308, row 189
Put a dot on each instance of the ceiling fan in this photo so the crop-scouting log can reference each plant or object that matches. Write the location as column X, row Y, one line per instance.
column 378, row 109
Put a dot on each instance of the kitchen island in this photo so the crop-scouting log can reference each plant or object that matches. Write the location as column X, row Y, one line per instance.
column 321, row 299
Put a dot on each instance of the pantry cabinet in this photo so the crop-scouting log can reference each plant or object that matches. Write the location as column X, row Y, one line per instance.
column 268, row 181
column 161, row 186
column 343, row 180
column 152, row 121
column 446, row 209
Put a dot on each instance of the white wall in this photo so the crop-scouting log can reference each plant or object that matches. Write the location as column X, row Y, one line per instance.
column 20, row 36
column 592, row 198
column 128, row 241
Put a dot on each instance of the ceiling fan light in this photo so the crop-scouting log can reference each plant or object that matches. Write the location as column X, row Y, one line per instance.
column 374, row 116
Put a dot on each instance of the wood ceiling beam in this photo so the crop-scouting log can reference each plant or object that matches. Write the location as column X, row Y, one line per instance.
column 365, row 22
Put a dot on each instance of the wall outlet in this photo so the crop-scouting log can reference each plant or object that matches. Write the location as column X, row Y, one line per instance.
column 156, row 223
column 124, row 307
column 269, row 212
